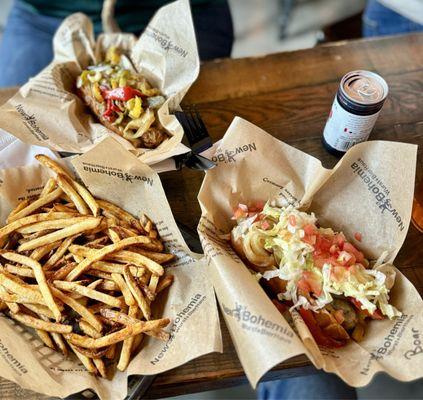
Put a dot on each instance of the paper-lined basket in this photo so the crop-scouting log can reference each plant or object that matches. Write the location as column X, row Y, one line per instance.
column 47, row 112
column 370, row 191
column 114, row 174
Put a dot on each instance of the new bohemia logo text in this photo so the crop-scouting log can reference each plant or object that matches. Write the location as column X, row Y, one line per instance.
column 257, row 323
column 376, row 187
column 179, row 321
column 229, row 155
column 11, row 360
column 164, row 41
column 98, row 169
column 31, row 123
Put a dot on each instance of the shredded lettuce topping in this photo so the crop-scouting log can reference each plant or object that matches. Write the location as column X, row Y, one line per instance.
column 316, row 263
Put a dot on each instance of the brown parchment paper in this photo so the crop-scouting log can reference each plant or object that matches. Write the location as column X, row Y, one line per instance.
column 114, row 174
column 47, row 112
column 369, row 191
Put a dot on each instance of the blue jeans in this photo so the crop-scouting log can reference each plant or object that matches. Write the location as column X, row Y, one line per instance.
column 379, row 20
column 317, row 386
column 27, row 45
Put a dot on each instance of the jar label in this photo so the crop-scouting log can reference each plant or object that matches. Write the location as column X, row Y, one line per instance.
column 344, row 129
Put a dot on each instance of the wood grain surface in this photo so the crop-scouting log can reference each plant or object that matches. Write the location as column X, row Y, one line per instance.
column 289, row 95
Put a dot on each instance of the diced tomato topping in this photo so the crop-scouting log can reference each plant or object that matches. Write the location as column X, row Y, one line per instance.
column 258, row 206
column 340, row 240
column 310, row 239
column 376, row 315
column 323, row 244
column 239, row 213
column 319, row 336
column 303, row 287
column 322, row 259
column 313, row 282
column 346, row 259
column 309, row 229
column 292, row 220
column 309, row 283
column 333, row 249
column 242, row 211
column 319, row 261
column 348, row 247
column 358, row 236
column 265, row 225
column 352, row 260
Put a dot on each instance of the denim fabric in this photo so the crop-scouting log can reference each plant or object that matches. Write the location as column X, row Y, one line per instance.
column 27, row 45
column 379, row 20
column 316, row 387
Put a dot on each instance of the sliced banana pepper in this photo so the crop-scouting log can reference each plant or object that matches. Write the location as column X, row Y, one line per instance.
column 134, row 106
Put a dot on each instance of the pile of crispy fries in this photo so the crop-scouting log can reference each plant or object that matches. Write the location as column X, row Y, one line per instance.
column 82, row 272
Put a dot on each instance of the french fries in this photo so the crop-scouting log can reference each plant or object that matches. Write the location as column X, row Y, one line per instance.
column 16, row 224
column 136, row 292
column 116, row 337
column 20, row 206
column 51, row 224
column 42, row 201
column 97, row 255
column 72, row 193
column 78, row 227
column 41, row 324
column 83, row 273
column 125, row 354
column 52, row 165
column 39, row 277
column 88, row 292
column 48, row 188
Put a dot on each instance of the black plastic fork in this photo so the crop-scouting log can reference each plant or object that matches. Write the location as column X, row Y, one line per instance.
column 198, row 138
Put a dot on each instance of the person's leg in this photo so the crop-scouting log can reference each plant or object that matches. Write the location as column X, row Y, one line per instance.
column 316, row 387
column 26, row 46
column 214, row 30
column 379, row 20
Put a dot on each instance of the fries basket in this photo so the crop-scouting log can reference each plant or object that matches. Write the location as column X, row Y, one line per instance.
column 96, row 281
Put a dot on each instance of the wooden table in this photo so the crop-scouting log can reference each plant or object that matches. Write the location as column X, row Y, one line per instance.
column 289, row 95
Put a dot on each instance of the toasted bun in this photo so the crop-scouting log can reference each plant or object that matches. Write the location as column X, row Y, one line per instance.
column 237, row 245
